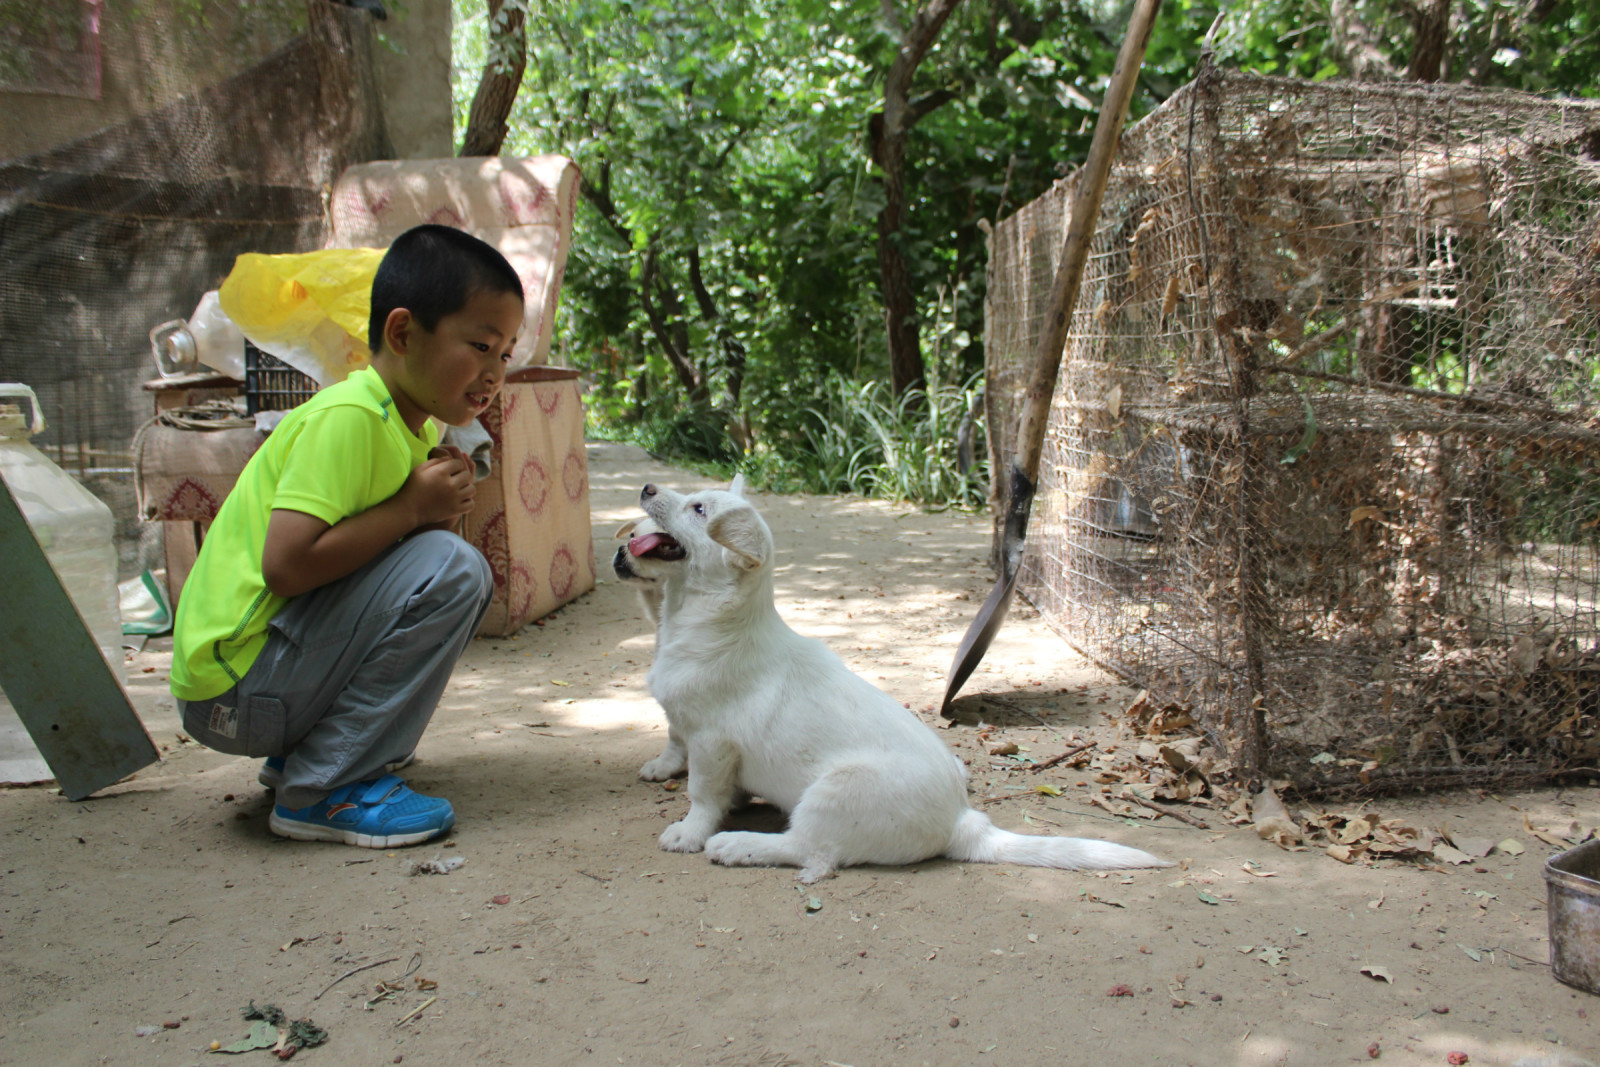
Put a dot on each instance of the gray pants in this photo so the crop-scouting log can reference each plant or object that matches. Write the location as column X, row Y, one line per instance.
column 352, row 671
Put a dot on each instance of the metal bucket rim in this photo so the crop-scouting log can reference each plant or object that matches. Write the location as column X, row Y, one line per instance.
column 1555, row 871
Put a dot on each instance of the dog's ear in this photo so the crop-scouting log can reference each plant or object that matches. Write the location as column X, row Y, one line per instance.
column 739, row 531
column 736, row 487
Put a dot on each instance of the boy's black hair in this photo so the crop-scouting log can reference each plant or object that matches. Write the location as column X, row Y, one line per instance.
column 432, row 271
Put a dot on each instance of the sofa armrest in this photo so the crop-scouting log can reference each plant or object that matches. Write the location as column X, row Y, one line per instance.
column 524, row 206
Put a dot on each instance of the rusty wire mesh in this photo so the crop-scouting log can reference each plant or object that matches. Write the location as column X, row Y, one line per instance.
column 1323, row 467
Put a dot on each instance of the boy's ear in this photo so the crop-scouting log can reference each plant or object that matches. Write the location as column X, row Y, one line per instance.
column 739, row 530
column 736, row 487
column 397, row 330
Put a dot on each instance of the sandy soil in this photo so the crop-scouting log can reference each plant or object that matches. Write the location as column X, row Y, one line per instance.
column 568, row 937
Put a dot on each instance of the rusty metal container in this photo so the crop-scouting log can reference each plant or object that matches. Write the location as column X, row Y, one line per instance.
column 1573, row 878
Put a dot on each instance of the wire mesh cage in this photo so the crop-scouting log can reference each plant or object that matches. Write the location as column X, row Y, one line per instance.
column 1323, row 467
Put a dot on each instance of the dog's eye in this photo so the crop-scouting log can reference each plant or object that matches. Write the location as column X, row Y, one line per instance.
column 700, row 509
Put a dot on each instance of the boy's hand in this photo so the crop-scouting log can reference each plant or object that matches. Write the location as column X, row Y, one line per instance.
column 303, row 552
column 442, row 489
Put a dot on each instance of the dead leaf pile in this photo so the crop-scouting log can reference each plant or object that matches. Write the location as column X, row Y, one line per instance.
column 1169, row 762
column 1350, row 837
column 275, row 1031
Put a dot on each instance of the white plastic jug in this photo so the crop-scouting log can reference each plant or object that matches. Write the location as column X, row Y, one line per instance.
column 207, row 338
column 72, row 524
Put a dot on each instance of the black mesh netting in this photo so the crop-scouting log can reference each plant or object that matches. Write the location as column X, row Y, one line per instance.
column 107, row 235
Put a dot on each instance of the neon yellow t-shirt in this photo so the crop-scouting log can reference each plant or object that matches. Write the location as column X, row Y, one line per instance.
column 338, row 454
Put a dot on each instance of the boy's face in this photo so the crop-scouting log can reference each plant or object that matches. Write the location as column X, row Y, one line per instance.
column 453, row 371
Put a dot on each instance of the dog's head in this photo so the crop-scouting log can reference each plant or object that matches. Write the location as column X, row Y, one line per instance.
column 714, row 530
column 649, row 555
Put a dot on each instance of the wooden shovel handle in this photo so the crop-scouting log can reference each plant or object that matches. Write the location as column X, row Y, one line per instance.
column 1083, row 212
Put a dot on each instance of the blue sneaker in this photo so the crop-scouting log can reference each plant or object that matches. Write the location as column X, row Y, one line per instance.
column 383, row 813
column 271, row 775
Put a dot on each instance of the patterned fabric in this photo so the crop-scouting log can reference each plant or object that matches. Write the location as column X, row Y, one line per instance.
column 184, row 475
column 522, row 206
column 531, row 520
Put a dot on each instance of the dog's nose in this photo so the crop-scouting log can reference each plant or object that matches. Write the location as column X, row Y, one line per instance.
column 648, row 491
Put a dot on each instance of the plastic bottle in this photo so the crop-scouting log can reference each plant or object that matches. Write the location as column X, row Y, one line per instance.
column 72, row 525
column 207, row 338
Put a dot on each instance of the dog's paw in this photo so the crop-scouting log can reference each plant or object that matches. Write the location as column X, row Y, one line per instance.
column 738, row 848
column 679, row 838
column 669, row 764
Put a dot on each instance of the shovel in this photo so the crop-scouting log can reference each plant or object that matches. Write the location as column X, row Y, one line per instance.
column 1084, row 210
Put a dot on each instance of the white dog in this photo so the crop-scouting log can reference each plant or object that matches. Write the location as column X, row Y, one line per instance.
column 754, row 708
column 649, row 570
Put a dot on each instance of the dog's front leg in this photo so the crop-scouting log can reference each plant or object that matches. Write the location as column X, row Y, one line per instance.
column 713, row 777
column 672, row 762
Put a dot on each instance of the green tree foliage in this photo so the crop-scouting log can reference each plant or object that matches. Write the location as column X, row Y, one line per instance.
column 1535, row 45
column 724, row 292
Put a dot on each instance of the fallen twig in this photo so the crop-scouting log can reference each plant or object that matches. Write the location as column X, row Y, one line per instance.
column 414, row 1012
column 354, row 970
column 1068, row 754
column 1180, row 816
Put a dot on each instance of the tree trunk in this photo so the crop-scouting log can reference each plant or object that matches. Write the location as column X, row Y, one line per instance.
column 502, row 77
column 734, row 355
column 1432, row 22
column 888, row 130
column 664, row 310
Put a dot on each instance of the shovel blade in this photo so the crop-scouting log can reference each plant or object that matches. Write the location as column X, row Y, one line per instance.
column 977, row 639
column 979, row 635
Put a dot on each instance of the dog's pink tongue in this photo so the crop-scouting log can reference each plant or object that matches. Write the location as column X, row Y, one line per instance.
column 638, row 546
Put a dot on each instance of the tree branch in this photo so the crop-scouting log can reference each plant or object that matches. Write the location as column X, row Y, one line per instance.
column 502, row 77
column 733, row 351
column 598, row 193
column 667, row 324
column 921, row 107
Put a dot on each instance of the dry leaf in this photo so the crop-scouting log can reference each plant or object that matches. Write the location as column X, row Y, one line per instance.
column 1272, row 821
column 1446, row 854
column 1543, row 835
column 1381, row 973
column 1476, row 847
column 1511, row 847
column 1358, row 829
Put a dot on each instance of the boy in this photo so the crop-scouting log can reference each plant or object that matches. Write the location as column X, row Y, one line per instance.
column 328, row 604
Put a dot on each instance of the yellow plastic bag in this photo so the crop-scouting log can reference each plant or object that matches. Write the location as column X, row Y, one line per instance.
column 309, row 309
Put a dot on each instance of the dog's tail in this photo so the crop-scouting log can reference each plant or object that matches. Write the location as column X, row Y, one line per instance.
column 977, row 840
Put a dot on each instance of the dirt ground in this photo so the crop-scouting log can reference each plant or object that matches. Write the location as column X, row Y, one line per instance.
column 568, row 937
